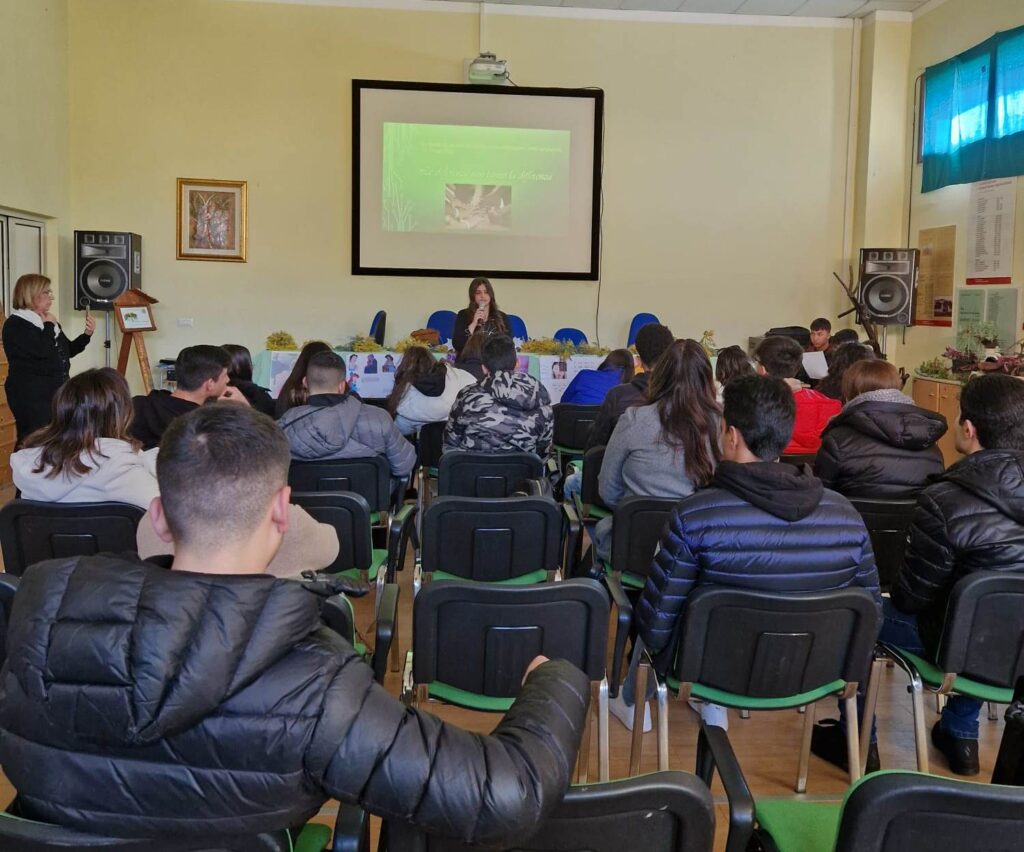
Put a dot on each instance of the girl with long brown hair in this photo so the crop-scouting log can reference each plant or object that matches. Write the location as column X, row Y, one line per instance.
column 293, row 391
column 86, row 454
column 425, row 390
column 482, row 314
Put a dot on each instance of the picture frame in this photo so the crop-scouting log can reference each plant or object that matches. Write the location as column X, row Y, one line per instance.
column 212, row 219
column 133, row 318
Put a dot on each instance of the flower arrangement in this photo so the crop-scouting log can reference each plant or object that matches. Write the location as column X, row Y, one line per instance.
column 362, row 343
column 934, row 369
column 281, row 341
column 562, row 348
column 407, row 342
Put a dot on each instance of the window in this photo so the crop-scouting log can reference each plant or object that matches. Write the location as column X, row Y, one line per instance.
column 973, row 115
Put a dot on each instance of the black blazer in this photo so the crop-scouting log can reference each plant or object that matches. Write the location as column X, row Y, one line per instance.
column 497, row 324
column 40, row 362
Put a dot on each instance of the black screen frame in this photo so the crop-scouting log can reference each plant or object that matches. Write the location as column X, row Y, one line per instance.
column 595, row 94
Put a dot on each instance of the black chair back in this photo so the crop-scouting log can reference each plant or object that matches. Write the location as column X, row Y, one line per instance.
column 765, row 645
column 8, row 588
column 491, row 540
column 573, row 424
column 983, row 637
column 638, row 525
column 480, row 637
column 888, row 522
column 466, row 474
column 369, row 477
column 660, row 812
column 430, row 444
column 31, row 531
column 899, row 811
column 589, row 491
column 349, row 514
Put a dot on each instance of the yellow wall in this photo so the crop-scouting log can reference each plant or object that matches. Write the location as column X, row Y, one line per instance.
column 34, row 145
column 726, row 151
column 948, row 29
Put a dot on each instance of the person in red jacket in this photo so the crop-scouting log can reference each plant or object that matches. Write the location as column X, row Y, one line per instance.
column 781, row 358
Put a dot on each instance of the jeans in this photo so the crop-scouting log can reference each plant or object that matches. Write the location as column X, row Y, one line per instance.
column 628, row 691
column 960, row 716
column 572, row 486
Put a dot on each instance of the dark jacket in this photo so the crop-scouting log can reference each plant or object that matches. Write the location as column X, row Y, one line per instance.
column 257, row 396
column 140, row 701
column 970, row 519
column 497, row 324
column 880, row 450
column 765, row 526
column 590, row 387
column 505, row 413
column 473, row 366
column 39, row 362
column 341, row 426
column 619, row 398
column 154, row 413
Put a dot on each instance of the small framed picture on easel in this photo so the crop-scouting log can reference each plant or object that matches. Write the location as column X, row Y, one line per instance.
column 135, row 318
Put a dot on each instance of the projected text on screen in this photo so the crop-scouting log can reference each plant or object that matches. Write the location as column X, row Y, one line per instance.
column 485, row 180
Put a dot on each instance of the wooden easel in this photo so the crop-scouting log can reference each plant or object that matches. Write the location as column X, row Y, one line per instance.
column 132, row 334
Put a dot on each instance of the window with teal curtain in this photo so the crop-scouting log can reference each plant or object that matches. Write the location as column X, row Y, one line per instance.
column 973, row 116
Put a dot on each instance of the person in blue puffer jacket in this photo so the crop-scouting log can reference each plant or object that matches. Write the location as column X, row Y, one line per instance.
column 760, row 525
column 590, row 387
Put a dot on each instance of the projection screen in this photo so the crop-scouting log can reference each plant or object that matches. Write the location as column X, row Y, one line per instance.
column 475, row 180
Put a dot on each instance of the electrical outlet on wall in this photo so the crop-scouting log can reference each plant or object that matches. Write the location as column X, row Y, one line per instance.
column 186, row 322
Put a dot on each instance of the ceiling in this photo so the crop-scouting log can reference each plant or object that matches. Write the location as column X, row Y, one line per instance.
column 803, row 8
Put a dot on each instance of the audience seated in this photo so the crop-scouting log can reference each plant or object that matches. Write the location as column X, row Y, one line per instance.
column 294, row 391
column 334, row 424
column 240, row 376
column 425, row 390
column 843, row 357
column 667, row 448
column 471, row 355
column 87, row 454
column 761, row 525
column 844, row 335
column 506, row 412
column 781, row 358
column 731, row 363
column 210, row 699
column 881, row 445
column 651, row 341
column 590, row 387
column 201, row 374
column 821, row 328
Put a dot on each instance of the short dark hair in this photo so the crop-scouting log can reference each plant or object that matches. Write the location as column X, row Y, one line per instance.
column 995, row 405
column 845, row 335
column 821, row 324
column 651, row 341
column 499, row 354
column 762, row 408
column 780, row 356
column 218, row 468
column 325, row 370
column 197, row 364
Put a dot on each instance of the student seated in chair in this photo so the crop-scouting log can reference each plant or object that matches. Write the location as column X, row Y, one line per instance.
column 506, row 412
column 760, row 525
column 209, row 699
column 335, row 424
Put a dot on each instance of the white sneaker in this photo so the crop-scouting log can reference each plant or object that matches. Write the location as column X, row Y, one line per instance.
column 624, row 712
column 712, row 714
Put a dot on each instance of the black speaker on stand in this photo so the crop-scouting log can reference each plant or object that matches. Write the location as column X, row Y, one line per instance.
column 107, row 264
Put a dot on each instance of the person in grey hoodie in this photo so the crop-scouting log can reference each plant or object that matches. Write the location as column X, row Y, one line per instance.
column 334, row 424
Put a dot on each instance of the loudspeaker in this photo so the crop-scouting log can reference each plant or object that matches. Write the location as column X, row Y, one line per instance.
column 888, row 285
column 107, row 263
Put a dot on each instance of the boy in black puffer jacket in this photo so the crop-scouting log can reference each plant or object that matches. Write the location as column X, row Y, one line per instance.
column 210, row 699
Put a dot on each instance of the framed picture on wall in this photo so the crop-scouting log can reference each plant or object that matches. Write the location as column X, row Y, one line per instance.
column 211, row 219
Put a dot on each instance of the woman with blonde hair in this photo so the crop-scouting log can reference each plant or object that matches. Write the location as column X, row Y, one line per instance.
column 38, row 353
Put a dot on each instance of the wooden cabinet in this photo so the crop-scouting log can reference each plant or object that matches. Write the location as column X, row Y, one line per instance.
column 943, row 396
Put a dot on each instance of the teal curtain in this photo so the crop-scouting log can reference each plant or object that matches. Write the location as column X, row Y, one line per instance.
column 973, row 117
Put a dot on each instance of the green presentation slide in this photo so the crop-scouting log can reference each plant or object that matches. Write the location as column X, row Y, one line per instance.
column 485, row 180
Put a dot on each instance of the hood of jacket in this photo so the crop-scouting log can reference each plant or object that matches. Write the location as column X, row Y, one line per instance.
column 113, row 459
column 995, row 477
column 514, row 390
column 125, row 653
column 899, row 424
column 433, row 383
column 159, row 408
column 320, row 428
column 781, row 489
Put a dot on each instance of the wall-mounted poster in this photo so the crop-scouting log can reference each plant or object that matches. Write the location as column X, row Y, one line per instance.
column 990, row 231
column 935, row 276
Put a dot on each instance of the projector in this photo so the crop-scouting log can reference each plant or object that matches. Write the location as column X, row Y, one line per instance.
column 487, row 69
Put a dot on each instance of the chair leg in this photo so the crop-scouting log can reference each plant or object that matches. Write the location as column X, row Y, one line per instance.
column 805, row 751
column 639, row 706
column 396, row 661
column 744, row 714
column 603, row 761
column 853, row 738
column 993, row 713
column 801, row 709
column 916, row 691
column 583, row 759
column 662, row 727
column 870, row 704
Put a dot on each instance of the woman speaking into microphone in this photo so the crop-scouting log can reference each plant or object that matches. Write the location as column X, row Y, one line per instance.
column 38, row 353
column 482, row 314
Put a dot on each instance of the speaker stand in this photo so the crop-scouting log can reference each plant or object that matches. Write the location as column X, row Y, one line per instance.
column 106, row 341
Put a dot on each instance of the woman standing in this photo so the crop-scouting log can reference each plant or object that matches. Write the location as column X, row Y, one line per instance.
column 482, row 314
column 38, row 352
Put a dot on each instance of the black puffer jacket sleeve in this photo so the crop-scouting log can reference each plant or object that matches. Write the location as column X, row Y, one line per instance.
column 826, row 462
column 401, row 763
column 928, row 564
column 669, row 582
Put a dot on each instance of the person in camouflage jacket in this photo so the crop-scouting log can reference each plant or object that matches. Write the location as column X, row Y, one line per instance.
column 506, row 412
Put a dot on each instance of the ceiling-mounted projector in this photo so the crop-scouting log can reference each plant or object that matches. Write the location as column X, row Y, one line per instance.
column 487, row 69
